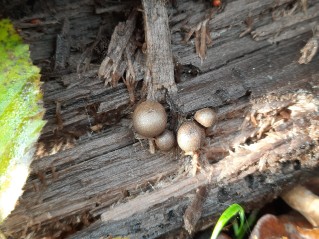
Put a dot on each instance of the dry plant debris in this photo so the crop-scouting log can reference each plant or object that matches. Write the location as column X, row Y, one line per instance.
column 202, row 37
column 304, row 5
column 85, row 59
column 310, row 49
column 194, row 210
column 113, row 66
column 284, row 128
column 124, row 54
column 249, row 22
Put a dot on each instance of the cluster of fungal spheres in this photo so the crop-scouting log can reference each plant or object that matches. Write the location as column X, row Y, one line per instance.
column 191, row 135
column 150, row 120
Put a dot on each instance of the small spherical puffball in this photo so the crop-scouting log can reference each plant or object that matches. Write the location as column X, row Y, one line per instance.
column 206, row 117
column 165, row 141
column 149, row 119
column 190, row 137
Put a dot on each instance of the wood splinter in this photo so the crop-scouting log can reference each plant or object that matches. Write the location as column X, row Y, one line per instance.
column 310, row 49
column 202, row 36
column 194, row 211
column 110, row 66
column 159, row 77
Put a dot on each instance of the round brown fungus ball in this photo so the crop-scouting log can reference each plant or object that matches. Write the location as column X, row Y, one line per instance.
column 165, row 141
column 190, row 137
column 206, row 117
column 149, row 119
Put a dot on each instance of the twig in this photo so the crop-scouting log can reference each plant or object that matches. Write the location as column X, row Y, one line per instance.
column 310, row 49
column 249, row 22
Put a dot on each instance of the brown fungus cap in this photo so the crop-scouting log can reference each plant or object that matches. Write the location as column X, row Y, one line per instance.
column 206, row 117
column 190, row 137
column 149, row 119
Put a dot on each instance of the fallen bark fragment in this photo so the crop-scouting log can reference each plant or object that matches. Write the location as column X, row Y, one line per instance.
column 106, row 6
column 130, row 76
column 85, row 59
column 194, row 210
column 109, row 69
column 203, row 44
column 202, row 36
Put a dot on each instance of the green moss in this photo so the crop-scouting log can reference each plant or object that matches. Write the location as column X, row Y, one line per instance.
column 21, row 111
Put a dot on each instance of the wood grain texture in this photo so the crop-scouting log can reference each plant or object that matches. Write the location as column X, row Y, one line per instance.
column 159, row 77
column 105, row 182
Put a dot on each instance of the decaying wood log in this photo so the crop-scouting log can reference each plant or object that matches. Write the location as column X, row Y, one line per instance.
column 93, row 179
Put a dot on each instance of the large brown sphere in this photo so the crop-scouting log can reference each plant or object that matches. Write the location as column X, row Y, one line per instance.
column 149, row 119
column 190, row 137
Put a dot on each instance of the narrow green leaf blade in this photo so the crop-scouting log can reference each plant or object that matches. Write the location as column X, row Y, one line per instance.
column 226, row 216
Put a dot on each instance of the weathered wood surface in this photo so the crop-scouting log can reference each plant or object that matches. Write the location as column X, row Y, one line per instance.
column 105, row 182
column 159, row 76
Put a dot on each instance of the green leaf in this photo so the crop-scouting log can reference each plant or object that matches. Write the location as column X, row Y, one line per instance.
column 21, row 115
column 249, row 222
column 226, row 216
